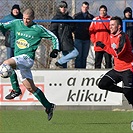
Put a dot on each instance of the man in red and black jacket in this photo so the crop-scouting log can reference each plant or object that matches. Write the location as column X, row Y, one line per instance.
column 121, row 49
column 99, row 31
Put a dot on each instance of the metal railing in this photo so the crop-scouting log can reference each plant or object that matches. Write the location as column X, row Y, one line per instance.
column 75, row 21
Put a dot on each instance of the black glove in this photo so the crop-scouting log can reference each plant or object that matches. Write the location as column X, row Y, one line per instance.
column 100, row 44
column 54, row 53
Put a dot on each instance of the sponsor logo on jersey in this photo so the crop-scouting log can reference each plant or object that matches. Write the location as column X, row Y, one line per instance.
column 22, row 43
column 24, row 35
column 113, row 45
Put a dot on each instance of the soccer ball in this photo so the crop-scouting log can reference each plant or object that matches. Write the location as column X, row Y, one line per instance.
column 5, row 71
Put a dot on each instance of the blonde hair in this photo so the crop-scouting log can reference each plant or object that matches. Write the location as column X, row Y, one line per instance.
column 29, row 12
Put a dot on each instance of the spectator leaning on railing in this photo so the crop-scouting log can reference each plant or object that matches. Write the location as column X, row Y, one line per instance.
column 99, row 33
column 9, row 35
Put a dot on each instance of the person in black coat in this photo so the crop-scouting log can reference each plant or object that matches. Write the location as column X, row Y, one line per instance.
column 63, row 31
column 82, row 38
column 129, row 25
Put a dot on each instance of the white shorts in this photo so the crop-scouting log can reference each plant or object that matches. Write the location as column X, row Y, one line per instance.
column 23, row 66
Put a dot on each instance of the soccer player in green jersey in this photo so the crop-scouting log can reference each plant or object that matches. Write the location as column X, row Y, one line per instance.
column 28, row 36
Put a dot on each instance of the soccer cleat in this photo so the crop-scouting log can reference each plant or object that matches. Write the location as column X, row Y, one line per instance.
column 13, row 94
column 58, row 65
column 50, row 111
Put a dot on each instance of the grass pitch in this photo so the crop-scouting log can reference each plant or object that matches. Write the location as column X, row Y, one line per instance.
column 65, row 121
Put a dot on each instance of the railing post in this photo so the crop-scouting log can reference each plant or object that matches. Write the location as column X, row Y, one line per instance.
column 124, row 26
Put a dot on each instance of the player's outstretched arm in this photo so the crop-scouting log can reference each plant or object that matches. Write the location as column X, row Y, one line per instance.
column 8, row 25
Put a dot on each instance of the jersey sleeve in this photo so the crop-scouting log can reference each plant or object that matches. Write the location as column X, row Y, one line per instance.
column 7, row 26
column 110, row 50
column 124, row 45
column 50, row 36
column 92, row 32
column 3, row 30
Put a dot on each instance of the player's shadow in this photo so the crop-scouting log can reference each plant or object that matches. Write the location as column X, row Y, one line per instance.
column 90, row 123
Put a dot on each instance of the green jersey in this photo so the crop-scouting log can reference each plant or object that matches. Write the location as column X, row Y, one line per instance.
column 28, row 38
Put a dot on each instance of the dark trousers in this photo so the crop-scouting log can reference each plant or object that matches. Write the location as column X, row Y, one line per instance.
column 110, row 79
column 83, row 47
column 99, row 57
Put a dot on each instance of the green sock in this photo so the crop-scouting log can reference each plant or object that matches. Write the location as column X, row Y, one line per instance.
column 14, row 82
column 41, row 97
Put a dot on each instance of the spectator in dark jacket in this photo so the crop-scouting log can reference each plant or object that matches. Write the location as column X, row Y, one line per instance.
column 129, row 25
column 9, row 35
column 63, row 30
column 82, row 38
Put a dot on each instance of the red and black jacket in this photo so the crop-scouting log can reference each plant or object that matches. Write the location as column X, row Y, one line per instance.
column 121, row 49
column 99, row 31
